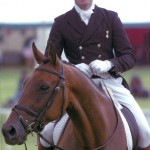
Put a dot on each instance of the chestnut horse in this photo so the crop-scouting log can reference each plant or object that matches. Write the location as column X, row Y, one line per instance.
column 55, row 88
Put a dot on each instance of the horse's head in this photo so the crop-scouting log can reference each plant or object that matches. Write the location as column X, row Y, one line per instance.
column 43, row 94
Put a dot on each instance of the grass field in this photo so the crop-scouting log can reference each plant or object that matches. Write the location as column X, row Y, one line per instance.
column 8, row 86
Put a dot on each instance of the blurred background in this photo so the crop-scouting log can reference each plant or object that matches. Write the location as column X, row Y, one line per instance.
column 22, row 22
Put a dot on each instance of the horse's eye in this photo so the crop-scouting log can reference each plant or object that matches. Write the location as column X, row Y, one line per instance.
column 44, row 87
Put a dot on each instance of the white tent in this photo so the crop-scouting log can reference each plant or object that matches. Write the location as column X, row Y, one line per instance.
column 37, row 11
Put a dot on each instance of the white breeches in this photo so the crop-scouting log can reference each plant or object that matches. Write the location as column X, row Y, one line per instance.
column 124, row 97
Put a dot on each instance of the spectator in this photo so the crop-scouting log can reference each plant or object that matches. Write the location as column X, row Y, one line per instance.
column 138, row 89
column 27, row 54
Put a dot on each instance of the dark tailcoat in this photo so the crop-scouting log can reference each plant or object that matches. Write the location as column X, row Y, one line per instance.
column 104, row 38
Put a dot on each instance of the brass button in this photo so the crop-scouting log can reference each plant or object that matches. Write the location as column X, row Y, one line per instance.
column 80, row 47
column 98, row 45
column 83, row 57
column 99, row 56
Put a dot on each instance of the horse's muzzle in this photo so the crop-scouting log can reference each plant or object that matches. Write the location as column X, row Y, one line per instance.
column 13, row 134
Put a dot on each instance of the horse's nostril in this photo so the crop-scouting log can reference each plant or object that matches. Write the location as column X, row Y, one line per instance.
column 11, row 131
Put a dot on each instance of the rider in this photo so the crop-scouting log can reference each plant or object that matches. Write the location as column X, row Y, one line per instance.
column 94, row 39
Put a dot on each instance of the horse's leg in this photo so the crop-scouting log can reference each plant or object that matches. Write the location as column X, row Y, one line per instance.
column 40, row 147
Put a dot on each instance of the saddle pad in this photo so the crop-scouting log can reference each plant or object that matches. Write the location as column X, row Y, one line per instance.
column 59, row 127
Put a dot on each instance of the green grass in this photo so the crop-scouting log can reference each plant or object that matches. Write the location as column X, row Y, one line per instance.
column 8, row 85
column 144, row 103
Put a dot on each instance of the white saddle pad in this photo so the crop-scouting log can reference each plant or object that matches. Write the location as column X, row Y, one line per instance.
column 61, row 124
column 59, row 128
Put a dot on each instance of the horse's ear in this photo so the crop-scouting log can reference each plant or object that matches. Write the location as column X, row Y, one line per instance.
column 37, row 54
column 51, row 53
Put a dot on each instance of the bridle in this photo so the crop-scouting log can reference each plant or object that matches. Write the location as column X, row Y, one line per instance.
column 38, row 125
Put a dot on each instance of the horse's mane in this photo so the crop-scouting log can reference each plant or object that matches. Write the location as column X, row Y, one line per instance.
column 100, row 86
column 46, row 60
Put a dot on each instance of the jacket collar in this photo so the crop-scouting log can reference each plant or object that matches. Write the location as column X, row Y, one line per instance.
column 94, row 22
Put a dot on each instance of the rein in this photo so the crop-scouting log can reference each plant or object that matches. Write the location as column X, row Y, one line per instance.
column 38, row 125
column 110, row 138
column 117, row 124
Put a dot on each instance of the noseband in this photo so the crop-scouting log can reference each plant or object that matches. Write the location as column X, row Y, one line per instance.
column 38, row 125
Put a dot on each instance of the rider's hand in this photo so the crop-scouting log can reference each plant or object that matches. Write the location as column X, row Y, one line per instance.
column 85, row 69
column 99, row 66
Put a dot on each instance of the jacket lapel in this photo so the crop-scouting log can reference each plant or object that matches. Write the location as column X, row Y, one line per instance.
column 93, row 24
column 86, row 31
column 76, row 22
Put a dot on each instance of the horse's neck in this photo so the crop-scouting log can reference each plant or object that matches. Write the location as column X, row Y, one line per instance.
column 90, row 112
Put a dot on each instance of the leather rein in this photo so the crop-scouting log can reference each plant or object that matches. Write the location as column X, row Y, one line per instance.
column 38, row 125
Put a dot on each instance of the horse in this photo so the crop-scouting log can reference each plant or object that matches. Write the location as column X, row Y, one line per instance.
column 55, row 88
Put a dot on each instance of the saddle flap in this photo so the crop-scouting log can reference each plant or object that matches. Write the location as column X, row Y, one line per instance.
column 132, row 125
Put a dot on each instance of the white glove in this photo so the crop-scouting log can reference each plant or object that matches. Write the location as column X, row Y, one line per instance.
column 99, row 66
column 85, row 69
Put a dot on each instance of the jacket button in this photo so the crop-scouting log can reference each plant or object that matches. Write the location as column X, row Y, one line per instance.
column 80, row 47
column 98, row 45
column 99, row 56
column 83, row 57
